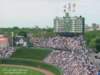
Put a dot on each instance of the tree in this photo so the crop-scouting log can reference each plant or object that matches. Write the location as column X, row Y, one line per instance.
column 16, row 27
column 22, row 33
column 98, row 45
column 92, row 43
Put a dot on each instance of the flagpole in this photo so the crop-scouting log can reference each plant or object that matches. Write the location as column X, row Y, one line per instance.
column 12, row 34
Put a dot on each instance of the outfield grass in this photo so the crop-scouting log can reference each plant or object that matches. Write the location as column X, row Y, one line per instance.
column 31, row 53
column 5, row 70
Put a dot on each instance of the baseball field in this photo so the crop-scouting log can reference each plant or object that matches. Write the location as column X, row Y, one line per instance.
column 17, row 70
column 28, row 61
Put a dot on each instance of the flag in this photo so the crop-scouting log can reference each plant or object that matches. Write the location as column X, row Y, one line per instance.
column 74, row 7
column 69, row 7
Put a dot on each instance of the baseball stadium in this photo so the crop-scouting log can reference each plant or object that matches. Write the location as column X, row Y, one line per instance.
column 65, row 49
column 58, row 55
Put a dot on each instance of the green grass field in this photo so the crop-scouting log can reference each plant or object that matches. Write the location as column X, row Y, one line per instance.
column 6, row 70
column 28, row 57
column 31, row 53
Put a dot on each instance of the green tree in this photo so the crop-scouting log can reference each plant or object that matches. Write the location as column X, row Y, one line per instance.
column 16, row 27
column 22, row 33
column 98, row 45
column 92, row 43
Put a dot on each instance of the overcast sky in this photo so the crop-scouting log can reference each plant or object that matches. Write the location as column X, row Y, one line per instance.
column 29, row 13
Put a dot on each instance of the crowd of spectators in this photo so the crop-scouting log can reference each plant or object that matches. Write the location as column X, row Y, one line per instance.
column 70, row 54
column 72, row 57
column 71, row 63
column 60, row 42
column 6, row 52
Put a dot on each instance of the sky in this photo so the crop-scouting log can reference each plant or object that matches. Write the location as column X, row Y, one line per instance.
column 31, row 13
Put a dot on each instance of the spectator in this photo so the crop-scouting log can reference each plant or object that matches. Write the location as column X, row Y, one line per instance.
column 98, row 72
